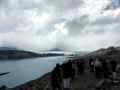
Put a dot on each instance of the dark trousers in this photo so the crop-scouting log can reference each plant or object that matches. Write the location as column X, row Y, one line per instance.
column 57, row 87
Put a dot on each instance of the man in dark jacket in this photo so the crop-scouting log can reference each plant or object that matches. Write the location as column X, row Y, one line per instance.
column 91, row 65
column 56, row 78
column 113, row 65
column 67, row 75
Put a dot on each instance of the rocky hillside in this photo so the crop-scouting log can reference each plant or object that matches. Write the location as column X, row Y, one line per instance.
column 108, row 53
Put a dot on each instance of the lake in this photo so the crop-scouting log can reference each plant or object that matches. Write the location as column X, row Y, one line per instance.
column 25, row 70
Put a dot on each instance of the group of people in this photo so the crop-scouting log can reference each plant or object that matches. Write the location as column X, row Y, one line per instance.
column 103, row 68
column 63, row 75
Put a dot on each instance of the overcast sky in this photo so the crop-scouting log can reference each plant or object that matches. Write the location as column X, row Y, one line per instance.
column 42, row 25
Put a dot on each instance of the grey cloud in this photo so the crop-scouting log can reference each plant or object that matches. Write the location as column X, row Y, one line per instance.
column 100, row 25
column 92, row 33
column 15, row 13
column 22, row 4
column 114, row 4
column 64, row 5
column 77, row 25
column 106, row 20
column 103, row 25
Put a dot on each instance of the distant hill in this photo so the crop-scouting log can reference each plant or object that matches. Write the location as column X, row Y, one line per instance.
column 16, row 54
column 13, row 53
column 7, row 48
column 56, row 49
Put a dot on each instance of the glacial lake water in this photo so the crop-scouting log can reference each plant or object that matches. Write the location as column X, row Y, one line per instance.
column 24, row 70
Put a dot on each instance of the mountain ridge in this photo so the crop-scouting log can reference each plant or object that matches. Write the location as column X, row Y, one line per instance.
column 22, row 54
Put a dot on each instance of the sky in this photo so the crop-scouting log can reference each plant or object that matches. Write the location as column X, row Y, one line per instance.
column 70, row 25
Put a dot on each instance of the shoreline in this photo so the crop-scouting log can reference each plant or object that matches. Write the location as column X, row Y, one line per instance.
column 30, row 85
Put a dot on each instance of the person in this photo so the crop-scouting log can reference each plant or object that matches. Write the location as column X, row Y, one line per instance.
column 56, row 78
column 118, row 68
column 70, row 69
column 91, row 65
column 80, row 66
column 73, row 71
column 75, row 68
column 67, row 75
column 105, row 69
column 98, row 68
column 113, row 65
